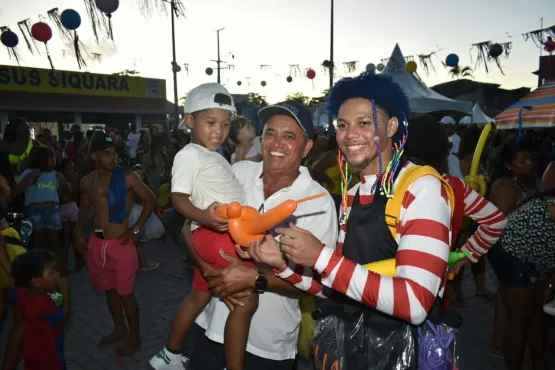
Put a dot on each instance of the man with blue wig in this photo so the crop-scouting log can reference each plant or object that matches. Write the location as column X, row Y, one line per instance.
column 379, row 313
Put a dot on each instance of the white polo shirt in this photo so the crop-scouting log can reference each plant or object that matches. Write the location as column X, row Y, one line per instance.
column 274, row 327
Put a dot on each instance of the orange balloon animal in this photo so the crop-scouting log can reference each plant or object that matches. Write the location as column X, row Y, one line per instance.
column 246, row 224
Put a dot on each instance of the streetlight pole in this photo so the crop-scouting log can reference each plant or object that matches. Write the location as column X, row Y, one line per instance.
column 331, row 128
column 175, row 67
column 219, row 61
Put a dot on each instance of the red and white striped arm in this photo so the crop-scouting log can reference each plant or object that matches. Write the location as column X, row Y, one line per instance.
column 490, row 219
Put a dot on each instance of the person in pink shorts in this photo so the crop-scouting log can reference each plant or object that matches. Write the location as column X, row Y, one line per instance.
column 111, row 255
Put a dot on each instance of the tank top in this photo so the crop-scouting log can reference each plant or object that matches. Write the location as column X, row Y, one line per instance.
column 44, row 189
column 16, row 161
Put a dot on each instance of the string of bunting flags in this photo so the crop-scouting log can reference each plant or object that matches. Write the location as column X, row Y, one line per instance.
column 100, row 12
column 485, row 54
column 67, row 23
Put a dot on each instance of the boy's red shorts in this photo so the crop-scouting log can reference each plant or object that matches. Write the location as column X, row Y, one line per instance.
column 208, row 243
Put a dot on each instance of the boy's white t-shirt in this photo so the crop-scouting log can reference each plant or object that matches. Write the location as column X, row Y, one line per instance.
column 206, row 176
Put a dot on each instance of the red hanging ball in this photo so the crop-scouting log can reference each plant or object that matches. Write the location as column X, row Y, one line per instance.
column 263, row 83
column 41, row 32
column 310, row 74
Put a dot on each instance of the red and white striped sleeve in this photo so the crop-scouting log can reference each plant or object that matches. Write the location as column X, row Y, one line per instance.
column 490, row 219
column 421, row 262
column 324, row 226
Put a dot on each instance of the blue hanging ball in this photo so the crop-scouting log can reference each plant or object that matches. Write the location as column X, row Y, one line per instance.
column 9, row 39
column 452, row 60
column 70, row 19
column 209, row 71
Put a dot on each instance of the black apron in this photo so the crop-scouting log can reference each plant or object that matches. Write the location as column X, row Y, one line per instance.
column 368, row 240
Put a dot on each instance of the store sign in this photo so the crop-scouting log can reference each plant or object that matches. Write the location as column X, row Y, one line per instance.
column 82, row 83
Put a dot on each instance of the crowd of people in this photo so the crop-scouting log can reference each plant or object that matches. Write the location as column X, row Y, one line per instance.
column 387, row 185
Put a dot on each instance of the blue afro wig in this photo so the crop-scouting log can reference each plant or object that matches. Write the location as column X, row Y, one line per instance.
column 385, row 93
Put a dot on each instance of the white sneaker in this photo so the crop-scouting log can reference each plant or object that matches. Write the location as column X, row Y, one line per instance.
column 165, row 360
column 549, row 308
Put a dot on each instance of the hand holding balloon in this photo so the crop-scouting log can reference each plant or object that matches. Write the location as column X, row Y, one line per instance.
column 212, row 220
column 246, row 224
column 267, row 251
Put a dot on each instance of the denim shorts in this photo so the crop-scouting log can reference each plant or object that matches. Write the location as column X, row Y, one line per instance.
column 45, row 216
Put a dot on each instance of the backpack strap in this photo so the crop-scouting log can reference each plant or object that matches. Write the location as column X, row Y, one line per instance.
column 410, row 175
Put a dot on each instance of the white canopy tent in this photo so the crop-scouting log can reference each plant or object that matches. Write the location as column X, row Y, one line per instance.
column 478, row 117
column 421, row 98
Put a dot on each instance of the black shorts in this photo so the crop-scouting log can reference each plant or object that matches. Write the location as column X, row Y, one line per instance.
column 209, row 355
column 511, row 270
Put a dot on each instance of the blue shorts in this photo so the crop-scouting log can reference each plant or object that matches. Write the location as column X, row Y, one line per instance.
column 45, row 216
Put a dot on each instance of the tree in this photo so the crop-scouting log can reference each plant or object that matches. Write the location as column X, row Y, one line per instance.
column 257, row 99
column 299, row 97
column 458, row 72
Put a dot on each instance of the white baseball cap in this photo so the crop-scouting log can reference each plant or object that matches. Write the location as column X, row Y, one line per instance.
column 208, row 96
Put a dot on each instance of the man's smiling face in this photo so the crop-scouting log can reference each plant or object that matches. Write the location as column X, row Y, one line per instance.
column 284, row 144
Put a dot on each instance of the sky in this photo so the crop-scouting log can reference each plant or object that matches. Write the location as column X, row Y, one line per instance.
column 284, row 32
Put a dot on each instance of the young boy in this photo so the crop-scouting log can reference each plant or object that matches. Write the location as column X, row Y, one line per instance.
column 43, row 309
column 202, row 178
column 111, row 253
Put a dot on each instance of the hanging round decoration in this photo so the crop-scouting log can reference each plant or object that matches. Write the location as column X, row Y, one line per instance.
column 9, row 39
column 452, row 60
column 263, row 83
column 549, row 45
column 41, row 32
column 371, row 68
column 495, row 50
column 239, row 83
column 411, row 66
column 107, row 6
column 310, row 74
column 209, row 71
column 289, row 79
column 380, row 67
column 326, row 64
column 70, row 19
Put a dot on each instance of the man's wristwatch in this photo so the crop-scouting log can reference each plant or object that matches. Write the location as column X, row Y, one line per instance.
column 136, row 230
column 260, row 283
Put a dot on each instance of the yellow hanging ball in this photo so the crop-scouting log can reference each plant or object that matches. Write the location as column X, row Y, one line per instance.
column 411, row 67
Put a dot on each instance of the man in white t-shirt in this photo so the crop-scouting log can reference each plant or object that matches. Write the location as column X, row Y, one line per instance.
column 454, row 164
column 454, row 138
column 274, row 328
column 132, row 144
column 455, row 141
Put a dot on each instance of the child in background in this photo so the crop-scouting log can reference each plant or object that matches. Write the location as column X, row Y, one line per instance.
column 44, row 188
column 242, row 134
column 69, row 210
column 153, row 228
column 202, row 178
column 43, row 309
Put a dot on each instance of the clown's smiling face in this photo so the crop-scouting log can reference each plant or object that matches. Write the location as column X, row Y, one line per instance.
column 356, row 135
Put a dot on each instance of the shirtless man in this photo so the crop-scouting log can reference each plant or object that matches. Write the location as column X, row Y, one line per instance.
column 111, row 255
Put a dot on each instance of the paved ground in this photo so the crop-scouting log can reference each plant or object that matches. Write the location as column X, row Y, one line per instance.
column 160, row 291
